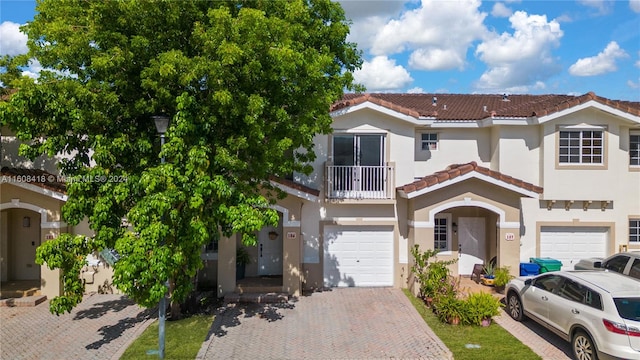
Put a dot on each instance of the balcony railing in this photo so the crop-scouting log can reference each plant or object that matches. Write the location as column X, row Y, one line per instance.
column 360, row 182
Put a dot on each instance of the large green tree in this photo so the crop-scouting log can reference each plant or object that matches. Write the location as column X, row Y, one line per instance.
column 247, row 85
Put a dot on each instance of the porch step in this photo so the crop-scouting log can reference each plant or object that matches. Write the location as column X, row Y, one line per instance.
column 23, row 301
column 245, row 289
column 258, row 298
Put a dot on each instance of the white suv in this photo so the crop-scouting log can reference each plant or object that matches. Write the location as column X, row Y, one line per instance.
column 597, row 311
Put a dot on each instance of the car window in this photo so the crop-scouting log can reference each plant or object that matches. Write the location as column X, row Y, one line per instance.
column 548, row 282
column 635, row 269
column 628, row 308
column 579, row 293
column 617, row 263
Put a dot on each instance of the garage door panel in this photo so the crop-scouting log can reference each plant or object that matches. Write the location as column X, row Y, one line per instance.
column 358, row 256
column 570, row 244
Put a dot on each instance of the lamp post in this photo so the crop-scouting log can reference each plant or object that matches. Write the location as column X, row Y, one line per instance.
column 162, row 122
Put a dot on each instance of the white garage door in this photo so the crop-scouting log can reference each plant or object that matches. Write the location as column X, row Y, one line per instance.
column 570, row 244
column 358, row 256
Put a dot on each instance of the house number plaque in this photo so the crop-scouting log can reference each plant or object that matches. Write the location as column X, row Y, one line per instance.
column 291, row 235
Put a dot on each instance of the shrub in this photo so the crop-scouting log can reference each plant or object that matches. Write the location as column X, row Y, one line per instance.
column 433, row 276
column 502, row 276
column 449, row 307
column 480, row 306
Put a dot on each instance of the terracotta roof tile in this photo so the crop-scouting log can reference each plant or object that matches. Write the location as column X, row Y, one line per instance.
column 456, row 170
column 472, row 107
column 295, row 185
column 36, row 177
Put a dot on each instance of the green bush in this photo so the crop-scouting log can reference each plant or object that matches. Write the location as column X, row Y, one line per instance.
column 502, row 276
column 433, row 276
column 480, row 306
column 449, row 307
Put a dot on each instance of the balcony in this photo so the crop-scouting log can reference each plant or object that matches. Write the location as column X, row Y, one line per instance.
column 360, row 182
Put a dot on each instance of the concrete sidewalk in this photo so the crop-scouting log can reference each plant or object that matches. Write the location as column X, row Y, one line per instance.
column 100, row 328
column 353, row 323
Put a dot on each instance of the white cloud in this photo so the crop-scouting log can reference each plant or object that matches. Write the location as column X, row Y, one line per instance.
column 382, row 74
column 602, row 63
column 520, row 61
column 633, row 85
column 436, row 59
column 33, row 71
column 415, row 90
column 368, row 17
column 603, row 6
column 501, row 10
column 438, row 33
column 635, row 5
column 12, row 41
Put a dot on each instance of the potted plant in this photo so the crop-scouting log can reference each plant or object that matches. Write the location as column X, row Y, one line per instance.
column 489, row 274
column 502, row 277
column 242, row 259
column 451, row 310
column 482, row 307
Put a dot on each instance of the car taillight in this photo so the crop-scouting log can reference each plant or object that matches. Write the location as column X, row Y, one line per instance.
column 619, row 328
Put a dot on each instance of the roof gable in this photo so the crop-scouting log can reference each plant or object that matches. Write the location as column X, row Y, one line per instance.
column 459, row 172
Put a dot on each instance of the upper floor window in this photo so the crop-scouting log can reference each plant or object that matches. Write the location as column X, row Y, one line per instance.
column 634, row 231
column 634, row 149
column 429, row 141
column 581, row 147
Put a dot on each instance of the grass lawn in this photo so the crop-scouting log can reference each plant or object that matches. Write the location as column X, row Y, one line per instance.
column 494, row 341
column 183, row 339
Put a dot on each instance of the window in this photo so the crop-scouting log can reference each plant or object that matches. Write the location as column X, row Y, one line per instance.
column 617, row 263
column 634, row 149
column 635, row 269
column 429, row 141
column 440, row 235
column 579, row 293
column 548, row 283
column 634, row 231
column 581, row 147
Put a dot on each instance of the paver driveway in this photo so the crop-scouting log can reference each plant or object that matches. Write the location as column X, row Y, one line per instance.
column 354, row 323
column 101, row 327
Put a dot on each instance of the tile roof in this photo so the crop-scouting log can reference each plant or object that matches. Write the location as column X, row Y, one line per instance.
column 455, row 170
column 479, row 106
column 295, row 185
column 36, row 177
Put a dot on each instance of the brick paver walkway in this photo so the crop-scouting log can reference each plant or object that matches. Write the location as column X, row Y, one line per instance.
column 101, row 327
column 354, row 323
column 542, row 341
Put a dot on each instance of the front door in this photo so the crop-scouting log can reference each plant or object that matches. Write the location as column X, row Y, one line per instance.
column 471, row 243
column 270, row 251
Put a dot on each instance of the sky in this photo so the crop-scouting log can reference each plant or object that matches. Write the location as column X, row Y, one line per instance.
column 471, row 46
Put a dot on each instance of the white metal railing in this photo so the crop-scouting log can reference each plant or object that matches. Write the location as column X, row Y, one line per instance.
column 360, row 182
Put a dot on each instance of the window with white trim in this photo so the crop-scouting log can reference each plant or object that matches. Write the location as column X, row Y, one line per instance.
column 441, row 234
column 581, row 147
column 634, row 149
column 429, row 141
column 634, row 231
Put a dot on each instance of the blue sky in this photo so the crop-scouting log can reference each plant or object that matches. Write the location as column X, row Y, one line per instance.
column 473, row 46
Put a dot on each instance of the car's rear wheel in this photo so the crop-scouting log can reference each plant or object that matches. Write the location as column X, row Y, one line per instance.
column 514, row 306
column 583, row 347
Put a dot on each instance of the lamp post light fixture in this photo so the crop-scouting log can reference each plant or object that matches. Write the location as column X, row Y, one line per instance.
column 162, row 123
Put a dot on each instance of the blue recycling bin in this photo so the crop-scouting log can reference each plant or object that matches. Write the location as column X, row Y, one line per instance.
column 528, row 269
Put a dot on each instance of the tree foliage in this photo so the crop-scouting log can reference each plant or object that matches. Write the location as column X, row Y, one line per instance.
column 247, row 85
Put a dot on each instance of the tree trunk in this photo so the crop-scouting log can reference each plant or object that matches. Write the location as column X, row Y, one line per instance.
column 175, row 311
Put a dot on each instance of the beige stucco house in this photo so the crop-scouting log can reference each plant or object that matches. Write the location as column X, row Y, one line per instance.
column 473, row 176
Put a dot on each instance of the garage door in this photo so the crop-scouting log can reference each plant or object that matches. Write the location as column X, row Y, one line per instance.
column 358, row 256
column 570, row 244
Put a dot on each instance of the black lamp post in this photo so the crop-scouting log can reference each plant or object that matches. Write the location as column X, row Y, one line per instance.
column 162, row 122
